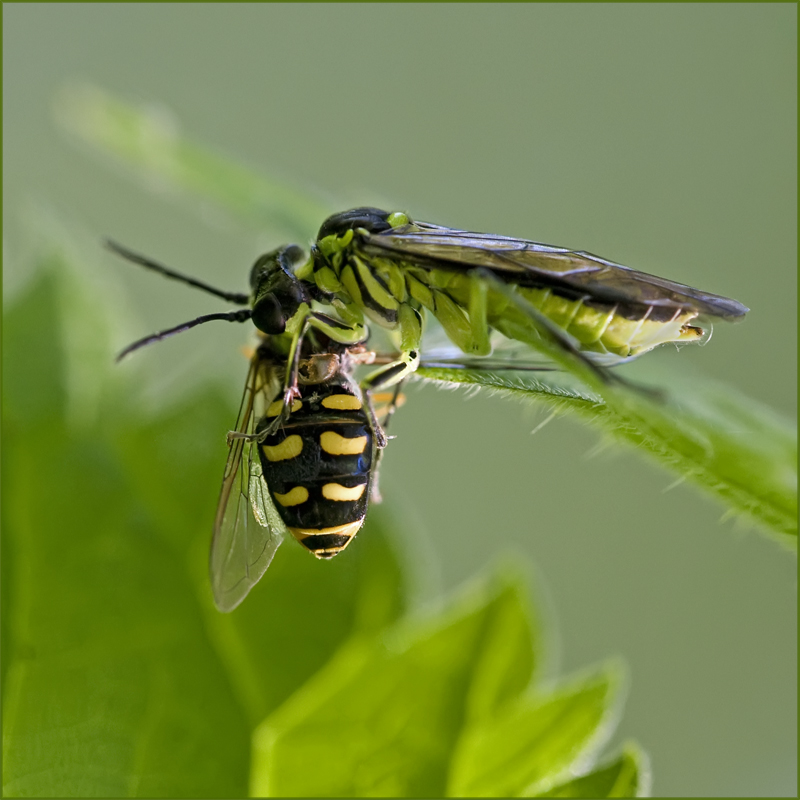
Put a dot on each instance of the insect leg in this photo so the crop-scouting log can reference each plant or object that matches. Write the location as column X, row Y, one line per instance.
column 410, row 329
column 296, row 327
column 558, row 345
column 478, row 311
column 290, row 390
column 397, row 400
column 555, row 342
column 347, row 333
column 380, row 431
column 465, row 324
column 380, row 435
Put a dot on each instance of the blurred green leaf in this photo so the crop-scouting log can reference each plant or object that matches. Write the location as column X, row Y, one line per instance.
column 300, row 613
column 120, row 677
column 626, row 776
column 383, row 717
column 707, row 433
column 108, row 663
column 443, row 707
column 536, row 741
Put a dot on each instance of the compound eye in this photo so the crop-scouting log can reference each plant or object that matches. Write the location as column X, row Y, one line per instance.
column 268, row 315
column 291, row 256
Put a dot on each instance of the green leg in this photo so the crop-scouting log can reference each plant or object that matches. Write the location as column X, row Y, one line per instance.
column 468, row 328
column 478, row 310
column 394, row 373
column 410, row 329
column 341, row 332
column 557, row 344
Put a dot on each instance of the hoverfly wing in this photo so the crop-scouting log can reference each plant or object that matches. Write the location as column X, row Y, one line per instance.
column 247, row 529
column 534, row 264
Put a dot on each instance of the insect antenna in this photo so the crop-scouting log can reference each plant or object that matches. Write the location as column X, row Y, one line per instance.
column 232, row 297
column 231, row 316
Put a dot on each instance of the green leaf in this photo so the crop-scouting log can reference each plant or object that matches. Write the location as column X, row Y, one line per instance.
column 120, row 677
column 707, row 433
column 108, row 662
column 35, row 393
column 626, row 776
column 536, row 741
column 148, row 139
column 441, row 707
column 383, row 717
column 300, row 613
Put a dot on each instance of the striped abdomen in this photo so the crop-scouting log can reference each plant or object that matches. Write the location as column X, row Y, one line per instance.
column 625, row 329
column 622, row 330
column 318, row 466
column 380, row 286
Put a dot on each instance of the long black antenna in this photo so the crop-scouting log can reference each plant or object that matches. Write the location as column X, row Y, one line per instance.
column 231, row 316
column 232, row 297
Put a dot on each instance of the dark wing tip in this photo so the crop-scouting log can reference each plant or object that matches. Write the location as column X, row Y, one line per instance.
column 724, row 307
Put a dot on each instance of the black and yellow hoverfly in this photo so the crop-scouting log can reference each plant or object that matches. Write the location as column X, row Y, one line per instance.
column 311, row 476
column 303, row 454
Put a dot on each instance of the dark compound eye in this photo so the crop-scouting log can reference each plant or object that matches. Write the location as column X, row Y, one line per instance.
column 291, row 256
column 373, row 219
column 268, row 315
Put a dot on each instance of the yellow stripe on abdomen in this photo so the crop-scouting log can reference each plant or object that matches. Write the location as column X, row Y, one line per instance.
column 336, row 445
column 335, row 491
column 294, row 497
column 603, row 330
column 325, row 543
column 290, row 447
column 342, row 402
column 276, row 407
column 348, row 529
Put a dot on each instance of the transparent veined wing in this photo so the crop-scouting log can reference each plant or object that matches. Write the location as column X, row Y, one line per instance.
column 439, row 352
column 247, row 528
column 528, row 263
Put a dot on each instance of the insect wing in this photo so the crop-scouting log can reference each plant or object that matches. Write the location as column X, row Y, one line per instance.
column 439, row 352
column 528, row 263
column 247, row 528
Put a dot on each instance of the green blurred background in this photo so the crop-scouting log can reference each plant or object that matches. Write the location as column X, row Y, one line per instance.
column 660, row 136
